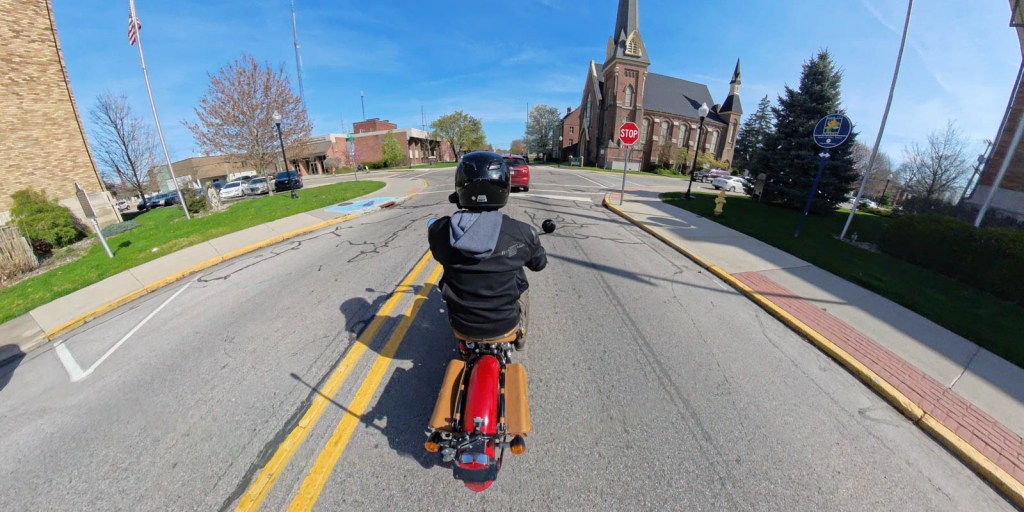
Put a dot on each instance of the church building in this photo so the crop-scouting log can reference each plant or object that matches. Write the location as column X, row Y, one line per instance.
column 664, row 107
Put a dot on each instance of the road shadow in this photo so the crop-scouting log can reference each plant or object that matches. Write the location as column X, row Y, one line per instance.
column 403, row 409
column 10, row 357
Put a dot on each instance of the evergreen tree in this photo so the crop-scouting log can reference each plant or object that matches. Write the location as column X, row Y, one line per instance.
column 791, row 156
column 751, row 141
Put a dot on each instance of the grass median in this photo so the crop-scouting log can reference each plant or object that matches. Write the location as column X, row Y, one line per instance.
column 161, row 232
column 992, row 323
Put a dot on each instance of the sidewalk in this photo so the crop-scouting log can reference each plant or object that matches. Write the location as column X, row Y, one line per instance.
column 44, row 323
column 969, row 399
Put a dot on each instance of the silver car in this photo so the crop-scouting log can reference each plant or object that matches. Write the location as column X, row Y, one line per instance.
column 258, row 186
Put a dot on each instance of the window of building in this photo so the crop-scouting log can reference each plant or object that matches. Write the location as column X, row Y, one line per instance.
column 713, row 140
column 732, row 129
column 664, row 130
column 682, row 135
column 643, row 132
column 633, row 46
column 629, row 96
column 572, row 130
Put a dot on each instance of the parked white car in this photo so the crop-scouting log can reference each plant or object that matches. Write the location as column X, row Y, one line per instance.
column 258, row 186
column 730, row 183
column 232, row 189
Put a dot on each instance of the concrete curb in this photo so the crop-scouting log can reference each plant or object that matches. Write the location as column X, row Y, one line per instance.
column 125, row 299
column 996, row 476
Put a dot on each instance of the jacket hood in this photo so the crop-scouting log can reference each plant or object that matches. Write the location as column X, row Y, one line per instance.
column 475, row 234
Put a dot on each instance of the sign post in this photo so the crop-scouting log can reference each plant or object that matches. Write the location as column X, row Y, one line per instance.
column 83, row 198
column 831, row 131
column 351, row 139
column 628, row 135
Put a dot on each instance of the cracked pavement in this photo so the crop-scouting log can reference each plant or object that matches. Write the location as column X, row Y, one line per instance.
column 652, row 385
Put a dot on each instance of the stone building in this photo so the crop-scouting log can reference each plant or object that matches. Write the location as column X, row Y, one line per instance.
column 1009, row 198
column 665, row 108
column 42, row 142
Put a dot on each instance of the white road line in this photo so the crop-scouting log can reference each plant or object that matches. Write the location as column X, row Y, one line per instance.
column 70, row 365
column 592, row 181
column 76, row 373
column 564, row 198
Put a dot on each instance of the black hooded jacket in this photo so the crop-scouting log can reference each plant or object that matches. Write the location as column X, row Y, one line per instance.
column 483, row 255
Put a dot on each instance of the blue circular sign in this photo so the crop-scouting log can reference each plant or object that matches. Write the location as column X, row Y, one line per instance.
column 832, row 130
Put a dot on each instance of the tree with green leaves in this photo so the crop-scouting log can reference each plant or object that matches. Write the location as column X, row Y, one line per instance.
column 753, row 135
column 462, row 131
column 392, row 150
column 790, row 154
column 542, row 131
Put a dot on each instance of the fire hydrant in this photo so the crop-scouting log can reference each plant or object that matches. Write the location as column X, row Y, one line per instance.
column 720, row 204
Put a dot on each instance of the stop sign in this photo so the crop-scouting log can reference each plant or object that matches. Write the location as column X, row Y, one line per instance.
column 629, row 133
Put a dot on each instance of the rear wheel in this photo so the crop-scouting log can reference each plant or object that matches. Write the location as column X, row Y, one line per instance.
column 525, row 189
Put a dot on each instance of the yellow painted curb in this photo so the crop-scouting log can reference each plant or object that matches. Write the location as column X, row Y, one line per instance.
column 120, row 301
column 984, row 466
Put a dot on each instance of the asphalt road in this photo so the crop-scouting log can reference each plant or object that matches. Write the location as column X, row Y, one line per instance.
column 653, row 385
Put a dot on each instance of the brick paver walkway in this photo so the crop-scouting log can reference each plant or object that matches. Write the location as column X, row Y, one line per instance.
column 1001, row 445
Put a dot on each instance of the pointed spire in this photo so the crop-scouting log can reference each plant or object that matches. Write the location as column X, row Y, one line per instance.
column 736, row 74
column 732, row 103
column 627, row 21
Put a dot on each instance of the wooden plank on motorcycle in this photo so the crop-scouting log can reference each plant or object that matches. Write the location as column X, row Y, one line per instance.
column 517, row 401
column 445, row 416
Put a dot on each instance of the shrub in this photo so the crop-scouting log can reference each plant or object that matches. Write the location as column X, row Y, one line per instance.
column 989, row 259
column 377, row 164
column 46, row 224
column 117, row 229
column 195, row 200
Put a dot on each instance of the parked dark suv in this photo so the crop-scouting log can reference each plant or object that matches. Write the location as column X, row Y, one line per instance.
column 287, row 180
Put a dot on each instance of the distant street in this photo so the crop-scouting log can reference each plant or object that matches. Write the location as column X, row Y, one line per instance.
column 653, row 386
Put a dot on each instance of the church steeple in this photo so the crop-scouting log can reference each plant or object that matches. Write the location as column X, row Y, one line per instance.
column 626, row 42
column 732, row 103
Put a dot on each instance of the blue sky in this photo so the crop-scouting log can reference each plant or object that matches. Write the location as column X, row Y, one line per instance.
column 492, row 58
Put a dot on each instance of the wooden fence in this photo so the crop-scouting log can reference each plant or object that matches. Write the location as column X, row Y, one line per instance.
column 16, row 254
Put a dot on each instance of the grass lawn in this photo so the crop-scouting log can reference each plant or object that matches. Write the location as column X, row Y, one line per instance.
column 167, row 230
column 991, row 322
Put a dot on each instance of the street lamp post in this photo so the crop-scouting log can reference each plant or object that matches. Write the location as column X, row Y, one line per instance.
column 559, row 151
column 280, row 138
column 703, row 113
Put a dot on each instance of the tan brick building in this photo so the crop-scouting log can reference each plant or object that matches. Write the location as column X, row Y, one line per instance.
column 43, row 143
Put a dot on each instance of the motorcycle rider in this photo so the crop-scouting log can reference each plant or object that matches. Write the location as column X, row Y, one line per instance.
column 483, row 253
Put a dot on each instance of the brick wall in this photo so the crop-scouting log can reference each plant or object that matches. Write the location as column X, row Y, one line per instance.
column 42, row 143
column 374, row 125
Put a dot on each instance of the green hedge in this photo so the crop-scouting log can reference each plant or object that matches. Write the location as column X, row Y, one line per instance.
column 989, row 259
column 46, row 224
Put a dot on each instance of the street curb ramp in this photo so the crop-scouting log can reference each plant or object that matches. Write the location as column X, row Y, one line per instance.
column 993, row 474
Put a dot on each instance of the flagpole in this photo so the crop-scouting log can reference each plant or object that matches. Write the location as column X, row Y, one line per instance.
column 156, row 118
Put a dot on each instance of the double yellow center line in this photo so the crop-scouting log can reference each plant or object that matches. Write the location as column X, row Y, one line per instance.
column 321, row 470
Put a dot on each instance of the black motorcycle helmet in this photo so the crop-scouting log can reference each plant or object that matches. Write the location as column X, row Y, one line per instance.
column 482, row 181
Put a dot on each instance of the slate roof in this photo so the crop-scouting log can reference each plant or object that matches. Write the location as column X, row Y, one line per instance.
column 676, row 96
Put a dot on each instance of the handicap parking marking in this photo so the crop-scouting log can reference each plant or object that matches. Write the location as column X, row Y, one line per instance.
column 351, row 207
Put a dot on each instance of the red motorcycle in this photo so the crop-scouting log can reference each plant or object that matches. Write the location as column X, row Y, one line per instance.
column 483, row 407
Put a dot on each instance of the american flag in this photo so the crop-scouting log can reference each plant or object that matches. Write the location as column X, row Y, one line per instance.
column 134, row 26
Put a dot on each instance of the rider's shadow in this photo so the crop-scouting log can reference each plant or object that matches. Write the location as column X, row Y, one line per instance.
column 407, row 401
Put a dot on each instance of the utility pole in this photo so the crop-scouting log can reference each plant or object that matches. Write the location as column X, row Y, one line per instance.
column 362, row 100
column 298, row 58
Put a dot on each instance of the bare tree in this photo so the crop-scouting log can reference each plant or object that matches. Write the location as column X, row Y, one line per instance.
column 934, row 172
column 235, row 116
column 125, row 145
column 880, row 173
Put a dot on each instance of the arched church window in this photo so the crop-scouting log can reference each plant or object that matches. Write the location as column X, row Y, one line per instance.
column 682, row 135
column 629, row 96
column 664, row 130
column 643, row 132
column 713, row 140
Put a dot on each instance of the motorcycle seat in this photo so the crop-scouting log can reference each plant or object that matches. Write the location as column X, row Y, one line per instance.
column 508, row 337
